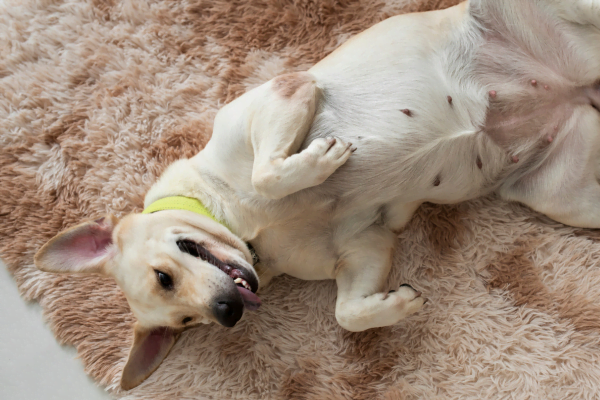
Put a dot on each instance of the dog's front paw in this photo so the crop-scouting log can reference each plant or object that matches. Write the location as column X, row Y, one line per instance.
column 327, row 155
column 407, row 299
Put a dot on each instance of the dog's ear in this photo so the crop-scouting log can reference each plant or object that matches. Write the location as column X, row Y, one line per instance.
column 150, row 347
column 84, row 248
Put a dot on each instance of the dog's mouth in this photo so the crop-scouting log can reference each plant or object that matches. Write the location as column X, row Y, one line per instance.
column 246, row 282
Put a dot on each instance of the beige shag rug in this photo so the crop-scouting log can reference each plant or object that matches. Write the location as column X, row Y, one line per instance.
column 98, row 97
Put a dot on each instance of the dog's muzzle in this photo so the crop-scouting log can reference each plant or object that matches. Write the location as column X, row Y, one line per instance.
column 229, row 308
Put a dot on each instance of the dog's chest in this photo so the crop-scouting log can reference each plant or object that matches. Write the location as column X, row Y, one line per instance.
column 302, row 249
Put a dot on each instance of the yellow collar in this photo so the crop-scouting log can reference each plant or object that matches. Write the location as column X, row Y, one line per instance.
column 180, row 203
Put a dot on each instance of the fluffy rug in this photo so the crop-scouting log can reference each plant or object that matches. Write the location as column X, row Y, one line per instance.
column 98, row 97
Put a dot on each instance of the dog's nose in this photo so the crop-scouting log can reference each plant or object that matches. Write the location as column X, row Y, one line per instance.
column 228, row 311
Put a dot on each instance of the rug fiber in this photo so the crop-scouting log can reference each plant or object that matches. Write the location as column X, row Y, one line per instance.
column 98, row 97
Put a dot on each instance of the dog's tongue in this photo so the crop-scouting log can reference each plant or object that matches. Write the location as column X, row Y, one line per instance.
column 251, row 301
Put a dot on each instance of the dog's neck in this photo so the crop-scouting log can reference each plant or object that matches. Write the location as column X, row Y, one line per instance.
column 180, row 203
column 194, row 178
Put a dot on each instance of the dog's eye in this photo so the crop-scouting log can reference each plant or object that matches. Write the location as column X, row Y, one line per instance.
column 186, row 320
column 165, row 280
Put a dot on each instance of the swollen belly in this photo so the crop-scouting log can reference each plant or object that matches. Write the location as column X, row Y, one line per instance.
column 544, row 115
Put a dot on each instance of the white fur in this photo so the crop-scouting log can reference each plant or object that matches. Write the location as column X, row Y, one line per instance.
column 265, row 167
column 319, row 169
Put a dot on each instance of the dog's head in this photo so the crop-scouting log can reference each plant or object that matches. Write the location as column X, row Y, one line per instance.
column 177, row 269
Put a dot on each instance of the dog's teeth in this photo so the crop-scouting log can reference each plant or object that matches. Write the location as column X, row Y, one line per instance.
column 243, row 283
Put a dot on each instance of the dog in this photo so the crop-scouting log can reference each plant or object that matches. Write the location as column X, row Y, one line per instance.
column 317, row 170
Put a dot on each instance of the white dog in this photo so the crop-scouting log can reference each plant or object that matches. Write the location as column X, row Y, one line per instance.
column 444, row 106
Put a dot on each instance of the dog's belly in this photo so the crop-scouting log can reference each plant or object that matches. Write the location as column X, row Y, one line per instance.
column 541, row 75
column 395, row 93
column 546, row 112
column 546, row 116
column 444, row 120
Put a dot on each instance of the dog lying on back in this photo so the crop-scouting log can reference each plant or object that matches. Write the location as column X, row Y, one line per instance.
column 318, row 169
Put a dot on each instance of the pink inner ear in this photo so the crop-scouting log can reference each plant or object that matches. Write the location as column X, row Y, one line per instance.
column 81, row 249
column 154, row 345
column 91, row 243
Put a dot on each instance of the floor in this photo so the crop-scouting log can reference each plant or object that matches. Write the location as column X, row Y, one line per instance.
column 34, row 366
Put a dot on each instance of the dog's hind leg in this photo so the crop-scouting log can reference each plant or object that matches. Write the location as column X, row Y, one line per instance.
column 584, row 211
column 361, row 273
column 578, row 205
column 583, row 12
column 397, row 215
column 566, row 187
